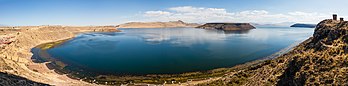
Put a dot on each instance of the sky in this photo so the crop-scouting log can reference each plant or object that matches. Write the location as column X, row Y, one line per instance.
column 113, row 12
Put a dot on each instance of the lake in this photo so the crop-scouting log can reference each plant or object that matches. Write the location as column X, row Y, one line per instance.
column 173, row 50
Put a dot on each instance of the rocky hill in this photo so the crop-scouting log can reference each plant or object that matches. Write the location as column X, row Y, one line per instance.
column 171, row 24
column 227, row 26
column 320, row 60
column 304, row 25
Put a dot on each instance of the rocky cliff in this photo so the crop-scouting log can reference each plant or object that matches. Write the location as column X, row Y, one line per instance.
column 227, row 26
column 15, row 55
column 171, row 24
column 320, row 60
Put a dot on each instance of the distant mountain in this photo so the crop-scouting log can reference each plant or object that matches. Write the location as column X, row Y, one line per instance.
column 283, row 24
column 304, row 25
column 170, row 24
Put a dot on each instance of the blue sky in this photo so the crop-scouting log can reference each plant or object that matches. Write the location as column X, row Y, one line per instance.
column 112, row 12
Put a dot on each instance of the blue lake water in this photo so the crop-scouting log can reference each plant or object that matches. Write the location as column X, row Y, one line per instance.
column 173, row 50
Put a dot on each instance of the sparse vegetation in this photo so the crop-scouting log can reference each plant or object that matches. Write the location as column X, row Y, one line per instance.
column 320, row 60
column 51, row 44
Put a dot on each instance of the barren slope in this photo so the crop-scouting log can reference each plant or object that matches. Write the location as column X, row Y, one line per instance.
column 15, row 55
column 322, row 59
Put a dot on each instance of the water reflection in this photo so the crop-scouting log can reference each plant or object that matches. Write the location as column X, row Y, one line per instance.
column 174, row 50
column 189, row 36
column 236, row 31
column 183, row 36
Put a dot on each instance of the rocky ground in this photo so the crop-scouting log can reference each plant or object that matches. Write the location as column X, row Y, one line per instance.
column 12, row 80
column 320, row 60
column 16, row 43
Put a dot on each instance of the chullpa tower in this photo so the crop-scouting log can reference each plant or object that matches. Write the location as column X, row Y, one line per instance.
column 334, row 16
column 341, row 19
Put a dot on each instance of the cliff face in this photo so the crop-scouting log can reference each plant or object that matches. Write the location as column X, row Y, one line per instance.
column 15, row 57
column 227, row 26
column 322, row 59
column 171, row 24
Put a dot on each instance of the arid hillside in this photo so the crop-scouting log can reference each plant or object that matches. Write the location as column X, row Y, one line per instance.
column 15, row 52
column 320, row 60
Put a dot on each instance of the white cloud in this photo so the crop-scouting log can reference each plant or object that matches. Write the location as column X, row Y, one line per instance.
column 156, row 13
column 190, row 9
column 307, row 17
column 202, row 15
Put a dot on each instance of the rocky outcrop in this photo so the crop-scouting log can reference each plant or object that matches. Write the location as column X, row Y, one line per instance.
column 227, row 26
column 304, row 25
column 171, row 24
column 6, row 40
column 15, row 57
column 320, row 60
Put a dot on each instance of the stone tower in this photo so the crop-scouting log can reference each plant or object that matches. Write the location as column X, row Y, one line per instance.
column 334, row 16
column 341, row 19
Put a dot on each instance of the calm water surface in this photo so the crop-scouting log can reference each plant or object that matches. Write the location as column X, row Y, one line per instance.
column 173, row 50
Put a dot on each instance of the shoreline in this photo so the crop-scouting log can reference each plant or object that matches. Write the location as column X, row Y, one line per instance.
column 111, row 79
column 43, row 68
column 80, row 74
column 16, row 56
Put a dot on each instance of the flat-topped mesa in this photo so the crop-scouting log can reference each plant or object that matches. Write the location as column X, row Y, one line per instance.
column 227, row 26
column 170, row 24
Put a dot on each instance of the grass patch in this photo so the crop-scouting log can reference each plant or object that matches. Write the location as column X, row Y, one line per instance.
column 51, row 44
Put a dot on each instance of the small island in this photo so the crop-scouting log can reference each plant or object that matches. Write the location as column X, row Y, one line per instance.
column 227, row 26
column 304, row 25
